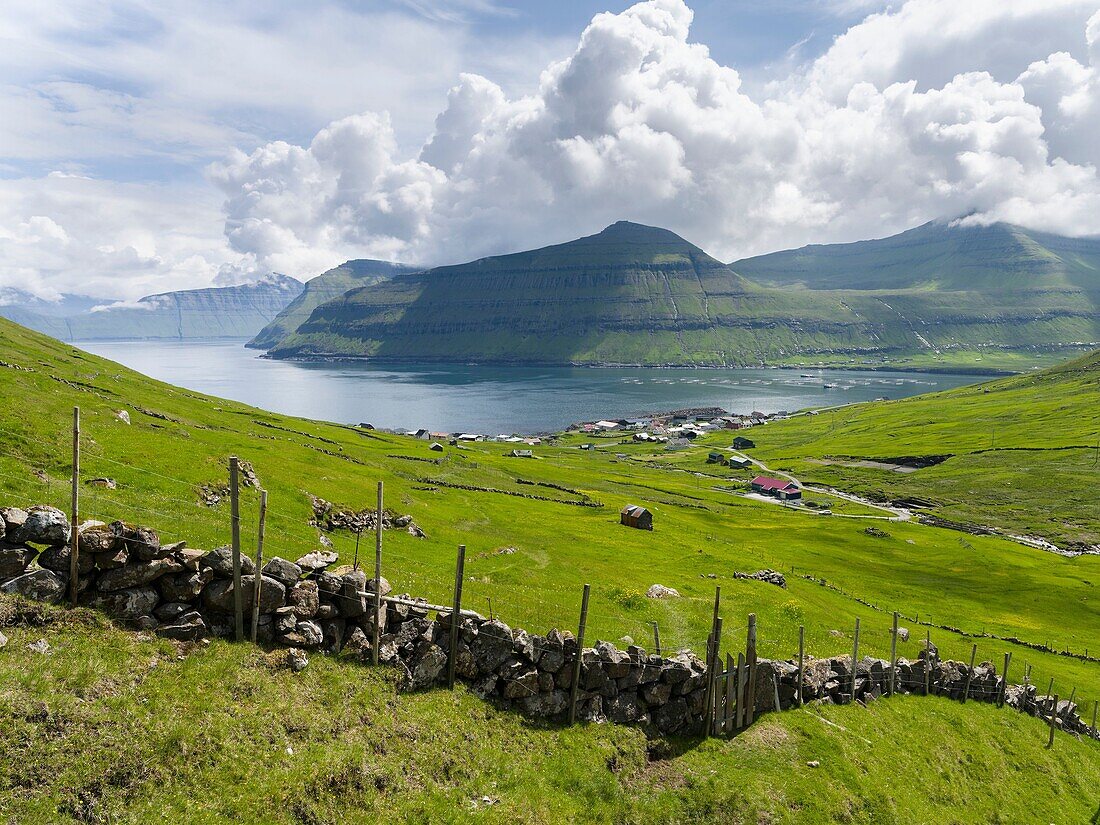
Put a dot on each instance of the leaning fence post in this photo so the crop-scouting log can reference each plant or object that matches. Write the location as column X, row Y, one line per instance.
column 375, row 641
column 750, row 661
column 74, row 528
column 712, row 675
column 656, row 639
column 574, row 686
column 970, row 672
column 1053, row 716
column 1004, row 680
column 456, row 612
column 801, row 655
column 855, row 658
column 894, row 655
column 235, row 522
column 257, row 585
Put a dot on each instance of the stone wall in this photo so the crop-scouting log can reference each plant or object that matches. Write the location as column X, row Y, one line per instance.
column 187, row 595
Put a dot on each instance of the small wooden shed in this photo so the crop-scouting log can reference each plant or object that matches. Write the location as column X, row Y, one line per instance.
column 635, row 516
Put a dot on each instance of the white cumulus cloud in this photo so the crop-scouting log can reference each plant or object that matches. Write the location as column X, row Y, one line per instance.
column 933, row 110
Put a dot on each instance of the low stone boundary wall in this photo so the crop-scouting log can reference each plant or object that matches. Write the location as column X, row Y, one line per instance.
column 186, row 595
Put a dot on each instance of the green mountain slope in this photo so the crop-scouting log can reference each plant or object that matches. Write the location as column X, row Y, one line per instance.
column 217, row 312
column 326, row 286
column 939, row 256
column 173, row 730
column 641, row 295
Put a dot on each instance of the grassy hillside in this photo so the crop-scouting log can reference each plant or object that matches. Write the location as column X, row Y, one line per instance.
column 218, row 735
column 1021, row 453
column 326, row 286
column 338, row 719
column 640, row 295
column 217, row 312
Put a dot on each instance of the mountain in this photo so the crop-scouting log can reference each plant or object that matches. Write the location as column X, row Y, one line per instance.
column 634, row 294
column 938, row 256
column 331, row 284
column 217, row 312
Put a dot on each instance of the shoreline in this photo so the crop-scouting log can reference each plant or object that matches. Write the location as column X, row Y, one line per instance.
column 991, row 372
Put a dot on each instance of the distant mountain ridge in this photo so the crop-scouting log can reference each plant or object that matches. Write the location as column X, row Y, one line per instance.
column 216, row 312
column 325, row 287
column 633, row 294
column 937, row 255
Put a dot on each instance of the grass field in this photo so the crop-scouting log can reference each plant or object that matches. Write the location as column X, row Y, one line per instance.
column 179, row 440
column 1024, row 451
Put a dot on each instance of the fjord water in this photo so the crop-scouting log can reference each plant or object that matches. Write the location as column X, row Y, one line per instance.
column 494, row 399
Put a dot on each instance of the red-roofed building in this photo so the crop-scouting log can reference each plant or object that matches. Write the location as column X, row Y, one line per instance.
column 778, row 487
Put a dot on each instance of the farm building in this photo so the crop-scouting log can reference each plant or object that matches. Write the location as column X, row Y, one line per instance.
column 778, row 487
column 634, row 516
column 739, row 463
column 742, row 443
column 436, row 447
column 715, row 457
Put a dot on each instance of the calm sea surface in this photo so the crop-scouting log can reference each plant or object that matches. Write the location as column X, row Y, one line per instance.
column 492, row 399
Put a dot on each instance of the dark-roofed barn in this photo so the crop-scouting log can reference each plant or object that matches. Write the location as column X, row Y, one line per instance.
column 635, row 516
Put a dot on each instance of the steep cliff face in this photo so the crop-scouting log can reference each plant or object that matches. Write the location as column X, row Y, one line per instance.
column 640, row 295
column 331, row 284
column 218, row 312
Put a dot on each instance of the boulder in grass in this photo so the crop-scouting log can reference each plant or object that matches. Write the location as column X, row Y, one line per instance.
column 59, row 559
column 14, row 559
column 44, row 525
column 659, row 591
column 41, row 585
column 283, row 571
column 130, row 604
column 218, row 595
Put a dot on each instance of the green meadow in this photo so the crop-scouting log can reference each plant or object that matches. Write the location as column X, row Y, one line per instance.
column 207, row 735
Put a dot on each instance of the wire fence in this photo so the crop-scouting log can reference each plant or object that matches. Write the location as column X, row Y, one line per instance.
column 112, row 489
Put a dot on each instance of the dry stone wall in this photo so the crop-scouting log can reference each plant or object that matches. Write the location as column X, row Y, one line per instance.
column 310, row 604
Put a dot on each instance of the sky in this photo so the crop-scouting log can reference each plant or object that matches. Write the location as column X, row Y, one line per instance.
column 151, row 145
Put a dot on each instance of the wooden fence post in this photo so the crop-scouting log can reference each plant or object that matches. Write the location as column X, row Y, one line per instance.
column 1095, row 705
column 894, row 655
column 456, row 615
column 235, row 519
column 74, row 518
column 855, row 658
column 715, row 669
column 656, row 639
column 970, row 672
column 1004, row 680
column 1053, row 717
column 750, row 663
column 742, row 692
column 574, row 687
column 713, row 644
column 927, row 661
column 731, row 683
column 257, row 584
column 801, row 655
column 377, row 635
